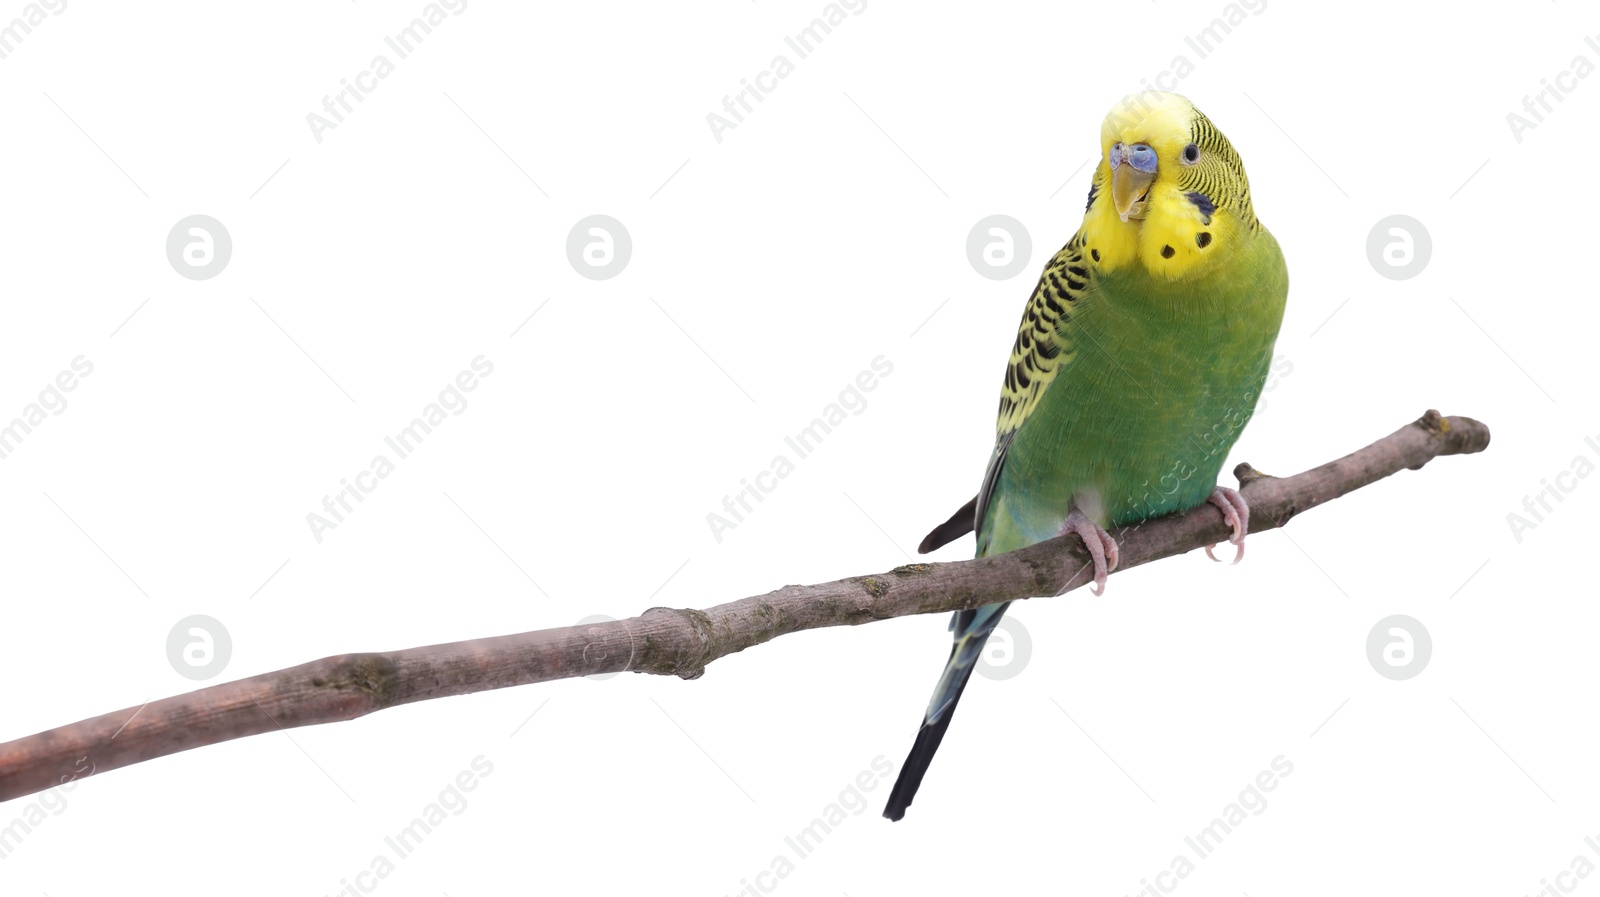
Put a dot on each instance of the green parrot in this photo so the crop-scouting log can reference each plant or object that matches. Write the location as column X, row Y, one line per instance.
column 1139, row 360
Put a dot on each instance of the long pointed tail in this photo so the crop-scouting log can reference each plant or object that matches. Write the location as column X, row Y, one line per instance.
column 971, row 629
column 916, row 765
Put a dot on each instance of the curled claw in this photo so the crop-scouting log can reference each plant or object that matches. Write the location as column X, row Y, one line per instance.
column 1102, row 548
column 1236, row 514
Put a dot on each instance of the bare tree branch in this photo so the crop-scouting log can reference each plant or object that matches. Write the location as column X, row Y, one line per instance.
column 678, row 642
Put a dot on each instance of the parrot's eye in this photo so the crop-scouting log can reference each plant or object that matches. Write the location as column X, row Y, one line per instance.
column 1191, row 154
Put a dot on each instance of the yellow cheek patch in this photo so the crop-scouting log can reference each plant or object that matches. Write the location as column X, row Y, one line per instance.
column 1112, row 242
column 1173, row 240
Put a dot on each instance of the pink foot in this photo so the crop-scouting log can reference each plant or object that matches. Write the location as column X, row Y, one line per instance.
column 1102, row 548
column 1235, row 513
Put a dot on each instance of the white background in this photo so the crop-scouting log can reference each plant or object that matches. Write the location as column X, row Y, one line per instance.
column 768, row 269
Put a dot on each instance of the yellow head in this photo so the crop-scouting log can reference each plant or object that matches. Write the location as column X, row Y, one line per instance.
column 1170, row 193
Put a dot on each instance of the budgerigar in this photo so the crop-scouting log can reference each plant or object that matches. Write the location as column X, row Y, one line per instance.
column 1140, row 358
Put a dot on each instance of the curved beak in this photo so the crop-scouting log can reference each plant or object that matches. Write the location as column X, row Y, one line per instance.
column 1128, row 189
column 1133, row 169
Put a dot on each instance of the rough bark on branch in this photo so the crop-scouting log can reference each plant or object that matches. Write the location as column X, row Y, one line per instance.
column 678, row 641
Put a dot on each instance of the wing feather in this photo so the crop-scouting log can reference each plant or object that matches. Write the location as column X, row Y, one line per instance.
column 1043, row 347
